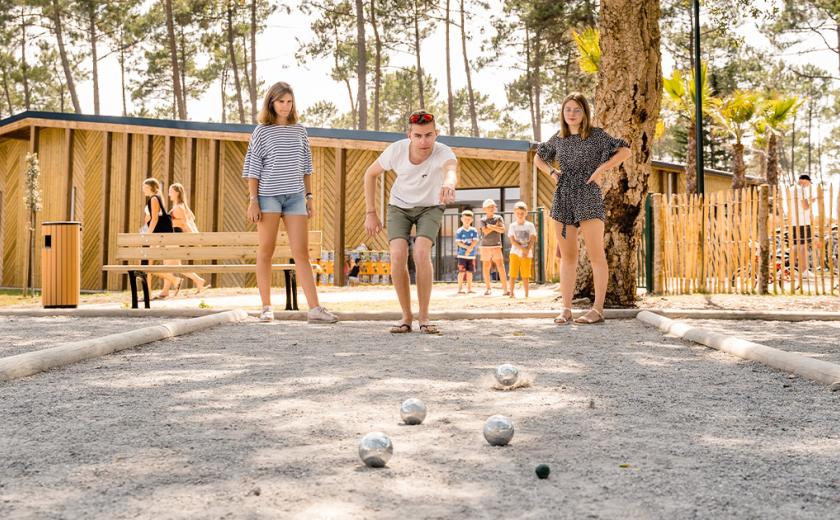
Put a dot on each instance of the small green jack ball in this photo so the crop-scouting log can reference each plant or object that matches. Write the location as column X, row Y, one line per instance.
column 543, row 470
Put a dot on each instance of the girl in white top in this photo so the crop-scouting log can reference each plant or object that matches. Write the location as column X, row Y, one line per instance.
column 278, row 167
column 183, row 221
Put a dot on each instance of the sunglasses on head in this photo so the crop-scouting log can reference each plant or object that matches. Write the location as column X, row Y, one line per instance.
column 415, row 119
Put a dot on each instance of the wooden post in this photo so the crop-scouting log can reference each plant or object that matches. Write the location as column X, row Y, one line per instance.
column 763, row 238
column 340, row 225
column 68, row 171
column 525, row 182
column 658, row 243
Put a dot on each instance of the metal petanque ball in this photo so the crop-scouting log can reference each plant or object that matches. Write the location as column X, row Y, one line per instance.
column 413, row 411
column 375, row 449
column 507, row 375
column 498, row 430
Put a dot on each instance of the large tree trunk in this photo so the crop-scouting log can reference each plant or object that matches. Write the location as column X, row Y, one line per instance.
column 772, row 173
column 739, row 169
column 361, row 65
column 377, row 73
column 450, row 104
column 630, row 91
column 94, row 59
column 422, row 96
column 173, row 57
column 232, row 53
column 58, row 29
column 691, row 159
column 468, row 70
column 253, row 84
column 223, row 86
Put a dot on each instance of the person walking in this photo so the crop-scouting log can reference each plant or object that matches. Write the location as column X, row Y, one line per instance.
column 157, row 220
column 278, row 168
column 183, row 221
column 583, row 153
column 426, row 179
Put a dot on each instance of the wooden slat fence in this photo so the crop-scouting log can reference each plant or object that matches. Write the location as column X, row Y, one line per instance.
column 745, row 241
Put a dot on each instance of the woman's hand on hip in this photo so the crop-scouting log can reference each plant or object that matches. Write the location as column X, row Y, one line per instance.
column 597, row 177
column 254, row 213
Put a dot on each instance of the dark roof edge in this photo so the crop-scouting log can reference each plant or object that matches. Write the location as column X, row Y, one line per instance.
column 328, row 133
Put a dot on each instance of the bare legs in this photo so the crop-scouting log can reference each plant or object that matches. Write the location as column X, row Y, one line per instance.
column 423, row 271
column 296, row 227
column 593, row 238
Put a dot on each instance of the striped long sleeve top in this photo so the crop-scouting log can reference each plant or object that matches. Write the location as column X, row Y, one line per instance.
column 279, row 156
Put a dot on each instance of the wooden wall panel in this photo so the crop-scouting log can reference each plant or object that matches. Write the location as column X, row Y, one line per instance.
column 14, row 220
column 233, row 203
column 357, row 163
column 206, row 183
column 158, row 158
column 89, row 158
column 479, row 173
column 117, row 203
column 327, row 200
column 54, row 187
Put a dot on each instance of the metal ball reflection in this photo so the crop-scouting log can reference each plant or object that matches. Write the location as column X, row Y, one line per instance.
column 498, row 430
column 413, row 411
column 375, row 449
column 507, row 375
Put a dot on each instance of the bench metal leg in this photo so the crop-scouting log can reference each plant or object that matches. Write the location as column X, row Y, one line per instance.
column 132, row 282
column 146, row 291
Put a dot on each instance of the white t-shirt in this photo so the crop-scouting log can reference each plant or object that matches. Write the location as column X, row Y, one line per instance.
column 416, row 185
column 804, row 215
column 522, row 233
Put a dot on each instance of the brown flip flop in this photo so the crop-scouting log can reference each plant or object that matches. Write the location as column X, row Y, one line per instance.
column 402, row 328
column 429, row 329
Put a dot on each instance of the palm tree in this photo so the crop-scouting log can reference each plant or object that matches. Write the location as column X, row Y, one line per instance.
column 589, row 49
column 680, row 95
column 774, row 114
column 735, row 114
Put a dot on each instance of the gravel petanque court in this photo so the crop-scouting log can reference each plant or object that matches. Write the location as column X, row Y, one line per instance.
column 263, row 421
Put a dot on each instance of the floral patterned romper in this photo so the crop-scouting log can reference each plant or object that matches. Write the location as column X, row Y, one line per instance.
column 574, row 200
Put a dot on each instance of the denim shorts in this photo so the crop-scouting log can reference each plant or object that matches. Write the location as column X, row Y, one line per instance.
column 291, row 204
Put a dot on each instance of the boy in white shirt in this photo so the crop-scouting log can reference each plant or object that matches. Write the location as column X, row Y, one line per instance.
column 523, row 236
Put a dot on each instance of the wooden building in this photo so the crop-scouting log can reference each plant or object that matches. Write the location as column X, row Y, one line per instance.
column 93, row 167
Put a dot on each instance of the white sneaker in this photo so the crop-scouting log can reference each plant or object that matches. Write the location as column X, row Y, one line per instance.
column 320, row 315
column 267, row 314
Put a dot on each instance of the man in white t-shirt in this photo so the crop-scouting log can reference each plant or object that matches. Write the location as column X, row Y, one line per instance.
column 426, row 179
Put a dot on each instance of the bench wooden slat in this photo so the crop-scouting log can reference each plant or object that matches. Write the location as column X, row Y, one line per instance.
column 201, row 268
column 240, row 253
column 208, row 239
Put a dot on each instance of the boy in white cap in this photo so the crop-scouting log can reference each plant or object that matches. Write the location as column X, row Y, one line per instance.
column 523, row 236
column 492, row 228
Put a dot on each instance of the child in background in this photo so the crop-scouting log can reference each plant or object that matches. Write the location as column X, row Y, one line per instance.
column 523, row 236
column 466, row 238
column 492, row 228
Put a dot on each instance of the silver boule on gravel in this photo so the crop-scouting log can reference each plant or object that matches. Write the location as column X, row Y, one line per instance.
column 375, row 449
column 498, row 430
column 413, row 411
column 507, row 375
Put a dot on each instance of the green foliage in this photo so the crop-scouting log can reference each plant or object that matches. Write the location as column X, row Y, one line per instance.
column 680, row 89
column 589, row 49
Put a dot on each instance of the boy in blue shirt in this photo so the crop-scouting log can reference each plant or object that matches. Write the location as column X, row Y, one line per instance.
column 466, row 238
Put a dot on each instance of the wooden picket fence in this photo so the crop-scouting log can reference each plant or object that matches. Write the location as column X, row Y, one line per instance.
column 742, row 241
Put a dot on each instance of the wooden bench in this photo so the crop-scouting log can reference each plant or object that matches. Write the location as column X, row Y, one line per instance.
column 235, row 249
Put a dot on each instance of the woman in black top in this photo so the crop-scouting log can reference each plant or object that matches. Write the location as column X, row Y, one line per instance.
column 157, row 220
column 583, row 153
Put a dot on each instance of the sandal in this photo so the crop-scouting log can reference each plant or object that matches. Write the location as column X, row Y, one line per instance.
column 203, row 288
column 488, row 292
column 429, row 329
column 563, row 318
column 402, row 328
column 160, row 297
column 586, row 320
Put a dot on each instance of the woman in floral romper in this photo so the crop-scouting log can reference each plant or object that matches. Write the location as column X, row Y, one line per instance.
column 583, row 153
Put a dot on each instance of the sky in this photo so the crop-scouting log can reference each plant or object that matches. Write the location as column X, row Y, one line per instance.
column 277, row 45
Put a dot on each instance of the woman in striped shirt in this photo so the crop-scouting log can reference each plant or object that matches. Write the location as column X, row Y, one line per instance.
column 278, row 166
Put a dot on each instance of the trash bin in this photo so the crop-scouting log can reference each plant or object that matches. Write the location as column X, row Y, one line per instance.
column 61, row 264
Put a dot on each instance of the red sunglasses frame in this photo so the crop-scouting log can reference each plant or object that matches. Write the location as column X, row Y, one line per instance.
column 415, row 119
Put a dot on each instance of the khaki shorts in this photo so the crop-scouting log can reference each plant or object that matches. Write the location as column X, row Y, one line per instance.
column 426, row 220
column 520, row 265
column 491, row 253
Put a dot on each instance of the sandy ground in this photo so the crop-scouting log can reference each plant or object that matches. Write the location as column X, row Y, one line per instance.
column 263, row 421
column 19, row 335
column 817, row 339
